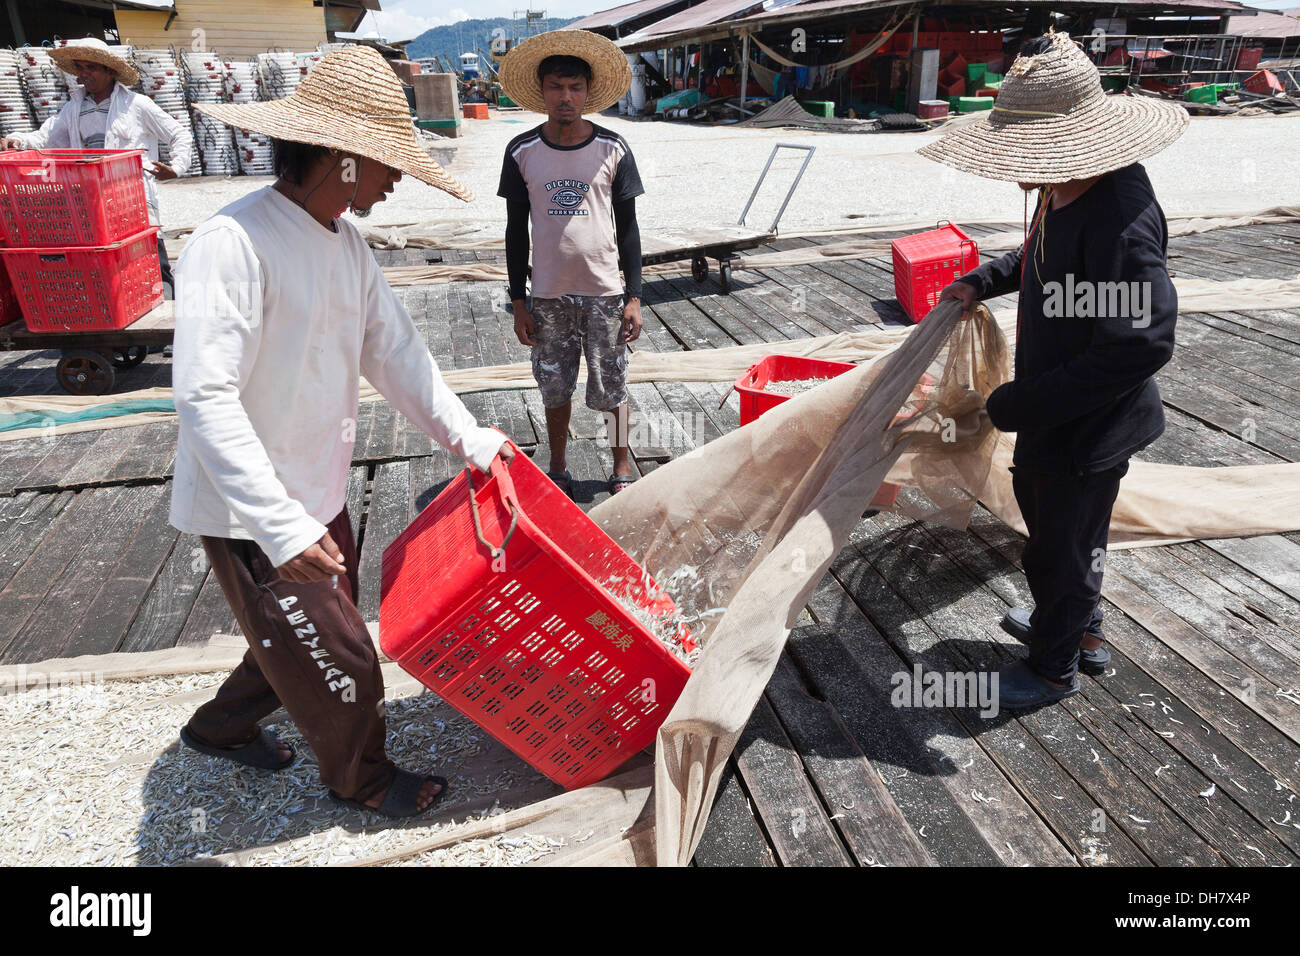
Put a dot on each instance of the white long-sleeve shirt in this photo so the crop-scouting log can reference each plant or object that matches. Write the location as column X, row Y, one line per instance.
column 277, row 318
column 134, row 122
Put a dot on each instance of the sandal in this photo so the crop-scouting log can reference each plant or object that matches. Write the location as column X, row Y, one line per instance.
column 618, row 482
column 262, row 752
column 563, row 480
column 402, row 798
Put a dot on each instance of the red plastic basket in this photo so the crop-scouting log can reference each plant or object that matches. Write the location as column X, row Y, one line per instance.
column 524, row 641
column 90, row 288
column 927, row 262
column 71, row 197
column 10, row 310
column 751, row 387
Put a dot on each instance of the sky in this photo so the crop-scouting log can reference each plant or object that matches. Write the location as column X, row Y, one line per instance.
column 407, row 19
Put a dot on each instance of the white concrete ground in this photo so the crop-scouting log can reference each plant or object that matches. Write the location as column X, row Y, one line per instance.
column 703, row 175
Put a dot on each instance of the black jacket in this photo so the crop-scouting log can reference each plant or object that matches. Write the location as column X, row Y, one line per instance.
column 1097, row 315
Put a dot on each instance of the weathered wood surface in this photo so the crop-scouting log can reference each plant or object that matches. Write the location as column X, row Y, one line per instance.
column 1185, row 752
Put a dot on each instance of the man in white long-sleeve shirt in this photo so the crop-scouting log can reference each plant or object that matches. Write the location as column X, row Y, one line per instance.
column 102, row 113
column 280, row 308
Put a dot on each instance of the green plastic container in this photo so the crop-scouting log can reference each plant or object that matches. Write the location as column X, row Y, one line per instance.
column 503, row 100
column 990, row 78
column 1114, row 84
column 974, row 104
column 823, row 108
column 954, row 102
column 975, row 72
column 679, row 99
column 1209, row 93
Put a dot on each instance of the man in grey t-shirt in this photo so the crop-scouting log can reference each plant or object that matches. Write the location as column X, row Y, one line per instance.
column 577, row 183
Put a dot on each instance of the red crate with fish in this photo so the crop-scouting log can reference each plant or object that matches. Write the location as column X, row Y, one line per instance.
column 507, row 601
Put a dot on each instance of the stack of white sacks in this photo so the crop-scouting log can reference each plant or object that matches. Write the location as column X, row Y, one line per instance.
column 160, row 80
column 205, row 82
column 15, row 114
column 253, row 150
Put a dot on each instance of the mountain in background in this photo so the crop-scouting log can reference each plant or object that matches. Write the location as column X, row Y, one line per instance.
column 468, row 36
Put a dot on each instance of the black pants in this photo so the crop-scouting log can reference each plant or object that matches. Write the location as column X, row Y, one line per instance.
column 1068, row 517
column 306, row 644
column 165, row 266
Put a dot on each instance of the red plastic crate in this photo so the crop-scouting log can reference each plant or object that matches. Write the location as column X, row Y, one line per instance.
column 927, row 262
column 527, row 644
column 751, row 387
column 754, row 400
column 87, row 288
column 1265, row 83
column 71, row 197
column 10, row 310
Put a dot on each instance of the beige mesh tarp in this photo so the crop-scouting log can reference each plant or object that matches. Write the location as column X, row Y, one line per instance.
column 742, row 530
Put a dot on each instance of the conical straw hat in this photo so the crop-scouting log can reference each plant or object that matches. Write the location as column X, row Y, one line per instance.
column 96, row 51
column 1052, row 122
column 610, row 73
column 351, row 101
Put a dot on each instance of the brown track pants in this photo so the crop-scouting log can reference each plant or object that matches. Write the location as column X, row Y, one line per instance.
column 310, row 651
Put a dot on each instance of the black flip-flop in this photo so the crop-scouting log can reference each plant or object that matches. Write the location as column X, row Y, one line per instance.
column 403, row 796
column 618, row 482
column 262, row 752
column 563, row 481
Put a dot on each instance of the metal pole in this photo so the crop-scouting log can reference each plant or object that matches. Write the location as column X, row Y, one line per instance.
column 916, row 28
column 744, row 66
column 20, row 38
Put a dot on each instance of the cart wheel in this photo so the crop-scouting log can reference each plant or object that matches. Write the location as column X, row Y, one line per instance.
column 699, row 268
column 85, row 372
column 724, row 271
column 129, row 357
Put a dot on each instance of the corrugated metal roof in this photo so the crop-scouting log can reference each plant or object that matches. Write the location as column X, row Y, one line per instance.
column 1274, row 23
column 621, row 14
column 700, row 15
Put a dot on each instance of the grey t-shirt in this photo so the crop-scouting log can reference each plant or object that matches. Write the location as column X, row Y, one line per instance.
column 571, row 192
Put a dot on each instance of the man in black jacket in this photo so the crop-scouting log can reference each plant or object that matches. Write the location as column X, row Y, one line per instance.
column 1096, row 321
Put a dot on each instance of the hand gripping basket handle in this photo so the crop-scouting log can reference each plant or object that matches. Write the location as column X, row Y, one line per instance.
column 507, row 491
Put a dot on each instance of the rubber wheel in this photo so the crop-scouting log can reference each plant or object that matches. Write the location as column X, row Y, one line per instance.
column 699, row 268
column 129, row 357
column 85, row 372
column 900, row 121
column 724, row 272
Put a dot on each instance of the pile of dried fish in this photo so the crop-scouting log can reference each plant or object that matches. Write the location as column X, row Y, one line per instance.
column 91, row 773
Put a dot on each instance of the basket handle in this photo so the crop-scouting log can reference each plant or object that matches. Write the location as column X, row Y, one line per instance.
column 964, row 244
column 502, row 476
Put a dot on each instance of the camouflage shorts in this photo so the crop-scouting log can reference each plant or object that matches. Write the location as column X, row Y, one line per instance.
column 568, row 328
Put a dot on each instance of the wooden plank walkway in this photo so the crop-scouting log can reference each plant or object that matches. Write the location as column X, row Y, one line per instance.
column 1187, row 753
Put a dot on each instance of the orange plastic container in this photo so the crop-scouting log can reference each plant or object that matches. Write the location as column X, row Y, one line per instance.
column 71, row 197
column 86, row 288
column 523, row 640
column 476, row 111
column 927, row 262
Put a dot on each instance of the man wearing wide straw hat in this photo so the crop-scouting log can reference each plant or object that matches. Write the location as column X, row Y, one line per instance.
column 102, row 113
column 1097, row 314
column 578, row 184
column 280, row 308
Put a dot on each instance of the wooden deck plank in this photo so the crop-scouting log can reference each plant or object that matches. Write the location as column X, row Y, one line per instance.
column 733, row 836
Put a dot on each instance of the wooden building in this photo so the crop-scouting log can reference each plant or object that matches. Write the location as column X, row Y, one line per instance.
column 231, row 27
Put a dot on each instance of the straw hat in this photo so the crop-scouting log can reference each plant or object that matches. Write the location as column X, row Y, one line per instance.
column 1051, row 123
column 96, row 51
column 351, row 101
column 610, row 74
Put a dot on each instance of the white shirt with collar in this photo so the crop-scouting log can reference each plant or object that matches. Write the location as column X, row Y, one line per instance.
column 134, row 122
column 277, row 317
